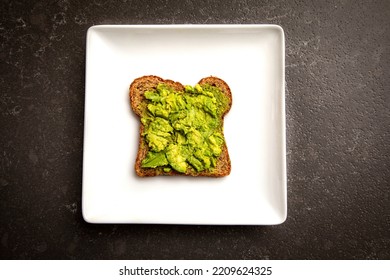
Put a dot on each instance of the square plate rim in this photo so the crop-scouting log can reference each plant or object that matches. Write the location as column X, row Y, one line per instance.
column 198, row 26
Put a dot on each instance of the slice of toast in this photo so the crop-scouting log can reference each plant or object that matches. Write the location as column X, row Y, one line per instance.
column 139, row 103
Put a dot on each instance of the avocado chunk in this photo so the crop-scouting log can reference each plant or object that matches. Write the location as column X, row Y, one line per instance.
column 176, row 159
column 153, row 160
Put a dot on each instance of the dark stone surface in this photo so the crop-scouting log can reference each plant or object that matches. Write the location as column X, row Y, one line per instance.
column 338, row 130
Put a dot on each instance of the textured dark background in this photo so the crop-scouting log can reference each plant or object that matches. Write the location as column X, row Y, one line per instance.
column 338, row 129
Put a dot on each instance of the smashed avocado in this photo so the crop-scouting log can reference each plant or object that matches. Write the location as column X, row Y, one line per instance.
column 183, row 129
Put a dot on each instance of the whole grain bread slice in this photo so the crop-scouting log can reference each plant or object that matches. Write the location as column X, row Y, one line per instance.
column 138, row 104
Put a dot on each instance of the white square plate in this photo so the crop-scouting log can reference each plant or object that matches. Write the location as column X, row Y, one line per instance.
column 250, row 58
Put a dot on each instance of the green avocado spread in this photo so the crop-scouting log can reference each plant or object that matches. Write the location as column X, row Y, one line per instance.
column 184, row 129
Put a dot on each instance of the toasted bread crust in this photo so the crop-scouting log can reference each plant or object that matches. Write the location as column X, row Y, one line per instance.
column 136, row 94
